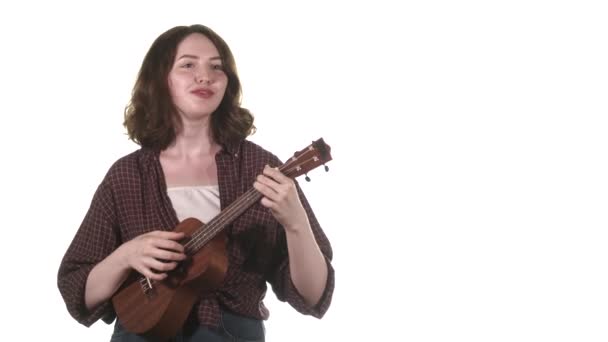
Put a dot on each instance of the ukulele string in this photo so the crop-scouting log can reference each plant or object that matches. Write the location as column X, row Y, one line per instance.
column 215, row 225
column 201, row 238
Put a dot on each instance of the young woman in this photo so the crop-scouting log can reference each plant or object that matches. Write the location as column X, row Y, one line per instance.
column 195, row 161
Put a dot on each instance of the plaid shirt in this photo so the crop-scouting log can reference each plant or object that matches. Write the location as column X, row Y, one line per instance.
column 132, row 200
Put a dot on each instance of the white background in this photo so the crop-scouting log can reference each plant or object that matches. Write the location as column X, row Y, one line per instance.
column 467, row 196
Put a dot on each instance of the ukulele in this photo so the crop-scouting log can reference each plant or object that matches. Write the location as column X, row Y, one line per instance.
column 160, row 308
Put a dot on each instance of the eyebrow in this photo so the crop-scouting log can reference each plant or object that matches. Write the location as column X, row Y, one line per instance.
column 196, row 57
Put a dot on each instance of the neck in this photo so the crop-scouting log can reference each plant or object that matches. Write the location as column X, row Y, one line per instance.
column 193, row 140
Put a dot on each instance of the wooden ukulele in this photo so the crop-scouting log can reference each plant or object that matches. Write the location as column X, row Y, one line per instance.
column 159, row 309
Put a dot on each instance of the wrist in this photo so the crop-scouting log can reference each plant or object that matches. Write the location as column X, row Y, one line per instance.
column 121, row 259
column 297, row 226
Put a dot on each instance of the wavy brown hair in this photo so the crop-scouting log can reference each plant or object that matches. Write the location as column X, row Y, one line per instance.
column 151, row 116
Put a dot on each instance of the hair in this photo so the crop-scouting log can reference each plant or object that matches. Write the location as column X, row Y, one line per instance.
column 151, row 116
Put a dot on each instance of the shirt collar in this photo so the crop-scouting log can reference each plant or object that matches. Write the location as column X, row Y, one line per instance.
column 232, row 148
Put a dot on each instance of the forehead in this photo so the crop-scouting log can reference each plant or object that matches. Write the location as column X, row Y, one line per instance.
column 198, row 45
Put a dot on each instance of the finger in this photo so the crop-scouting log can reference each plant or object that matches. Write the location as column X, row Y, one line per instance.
column 162, row 267
column 154, row 276
column 268, row 203
column 156, row 266
column 168, row 245
column 277, row 181
column 161, row 234
column 271, row 183
column 265, row 190
column 161, row 254
column 274, row 173
column 147, row 269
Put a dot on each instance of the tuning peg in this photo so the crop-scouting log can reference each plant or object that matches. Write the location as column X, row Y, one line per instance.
column 307, row 178
column 326, row 168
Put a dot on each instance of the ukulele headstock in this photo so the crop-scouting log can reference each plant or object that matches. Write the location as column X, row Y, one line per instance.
column 314, row 155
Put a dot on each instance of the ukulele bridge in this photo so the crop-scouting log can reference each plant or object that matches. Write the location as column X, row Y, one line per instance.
column 146, row 285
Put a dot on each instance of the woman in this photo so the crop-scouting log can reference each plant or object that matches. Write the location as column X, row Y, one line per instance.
column 194, row 161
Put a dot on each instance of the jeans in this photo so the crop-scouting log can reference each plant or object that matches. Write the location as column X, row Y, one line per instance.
column 233, row 328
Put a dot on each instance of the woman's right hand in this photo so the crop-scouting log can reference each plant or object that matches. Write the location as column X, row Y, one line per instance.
column 154, row 254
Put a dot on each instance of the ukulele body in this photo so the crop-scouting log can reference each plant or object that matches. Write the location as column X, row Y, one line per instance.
column 162, row 309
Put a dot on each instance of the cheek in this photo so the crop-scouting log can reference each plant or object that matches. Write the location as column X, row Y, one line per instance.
column 174, row 88
column 224, row 84
column 171, row 85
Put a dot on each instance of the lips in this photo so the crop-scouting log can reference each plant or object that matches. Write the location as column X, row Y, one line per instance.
column 203, row 92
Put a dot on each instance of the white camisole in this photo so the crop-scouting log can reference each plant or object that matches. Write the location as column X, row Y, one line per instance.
column 201, row 202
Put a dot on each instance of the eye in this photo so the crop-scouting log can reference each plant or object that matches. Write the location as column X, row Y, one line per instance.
column 217, row 67
column 188, row 65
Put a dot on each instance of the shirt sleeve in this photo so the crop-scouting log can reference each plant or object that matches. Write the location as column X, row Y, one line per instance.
column 281, row 282
column 94, row 240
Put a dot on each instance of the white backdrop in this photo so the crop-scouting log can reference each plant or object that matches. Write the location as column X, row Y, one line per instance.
column 467, row 196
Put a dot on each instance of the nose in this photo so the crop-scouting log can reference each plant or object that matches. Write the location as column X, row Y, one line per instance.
column 202, row 77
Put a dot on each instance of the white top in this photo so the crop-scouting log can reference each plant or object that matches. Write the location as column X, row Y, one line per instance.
column 201, row 202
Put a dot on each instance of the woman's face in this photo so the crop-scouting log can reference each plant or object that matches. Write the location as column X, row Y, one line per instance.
column 197, row 81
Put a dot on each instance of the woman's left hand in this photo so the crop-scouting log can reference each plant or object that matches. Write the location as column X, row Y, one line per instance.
column 281, row 197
